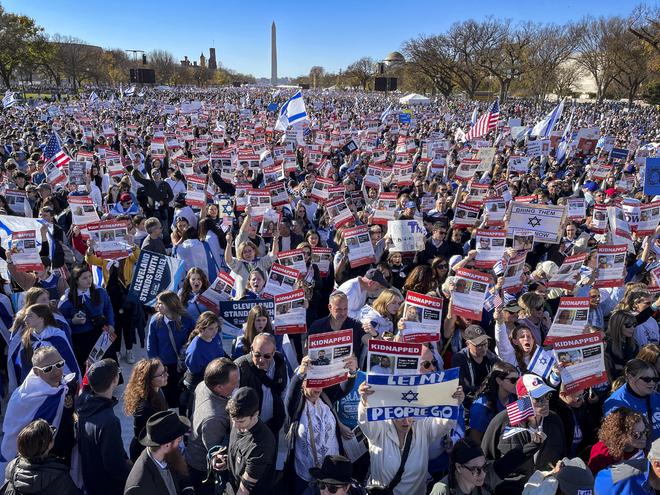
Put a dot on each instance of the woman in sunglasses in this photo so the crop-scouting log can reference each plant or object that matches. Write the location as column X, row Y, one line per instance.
column 496, row 391
column 638, row 394
column 622, row 436
column 621, row 346
column 534, row 315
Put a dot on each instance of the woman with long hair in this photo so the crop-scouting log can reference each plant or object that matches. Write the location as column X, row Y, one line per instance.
column 195, row 283
column 211, row 233
column 638, row 302
column 39, row 328
column 621, row 345
column 258, row 321
column 312, row 283
column 255, row 285
column 167, row 333
column 525, row 347
column 420, row 279
column 494, row 394
column 88, row 311
column 534, row 315
column 180, row 226
column 398, row 269
column 651, row 354
column 380, row 317
column 622, row 435
column 143, row 397
column 440, row 267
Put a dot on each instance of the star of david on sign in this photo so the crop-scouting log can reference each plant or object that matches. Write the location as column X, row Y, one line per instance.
column 409, row 396
column 534, row 221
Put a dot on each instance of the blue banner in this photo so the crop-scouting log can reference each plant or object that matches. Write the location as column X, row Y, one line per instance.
column 272, row 107
column 618, row 154
column 153, row 274
column 652, row 176
column 405, row 118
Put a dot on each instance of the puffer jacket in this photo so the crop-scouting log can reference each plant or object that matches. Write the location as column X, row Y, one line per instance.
column 46, row 476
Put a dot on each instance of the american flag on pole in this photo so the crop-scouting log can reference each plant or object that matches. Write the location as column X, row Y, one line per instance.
column 520, row 410
column 486, row 123
column 53, row 152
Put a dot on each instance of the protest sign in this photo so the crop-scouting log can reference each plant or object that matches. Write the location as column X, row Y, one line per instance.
column 360, row 249
column 577, row 208
column 260, row 202
column 153, row 274
column 494, row 209
column 413, row 396
column 293, row 258
column 18, row 203
column 385, row 208
column 571, row 319
column 544, row 220
column 77, row 173
column 109, row 239
column 610, row 261
column 102, row 344
column 652, row 176
column 513, row 273
column 327, row 354
column 599, row 220
column 581, row 361
column 422, row 318
column 587, row 139
column 393, row 358
column 83, row 210
column 54, row 174
column 477, row 194
column 469, row 294
column 235, row 314
column 339, row 211
column 219, row 290
column 490, row 247
column 290, row 313
column 649, row 217
column 322, row 257
column 619, row 229
column 466, row 215
column 631, row 212
column 569, row 272
column 407, row 236
column 25, row 252
column 518, row 164
column 281, row 279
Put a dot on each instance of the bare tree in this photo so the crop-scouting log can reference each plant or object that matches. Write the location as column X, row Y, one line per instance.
column 630, row 57
column 316, row 74
column 163, row 64
column 593, row 54
column 361, row 71
column 645, row 24
column 78, row 59
column 431, row 55
column 463, row 39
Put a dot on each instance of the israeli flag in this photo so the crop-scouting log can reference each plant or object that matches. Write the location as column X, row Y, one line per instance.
column 565, row 141
column 93, row 97
column 473, row 119
column 8, row 100
column 385, row 114
column 130, row 91
column 291, row 112
column 541, row 363
column 543, row 129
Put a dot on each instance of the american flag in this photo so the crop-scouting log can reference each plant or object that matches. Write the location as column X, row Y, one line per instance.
column 520, row 410
column 53, row 152
column 493, row 301
column 486, row 123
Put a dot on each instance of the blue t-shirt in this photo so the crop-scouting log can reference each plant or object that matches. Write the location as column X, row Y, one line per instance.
column 200, row 353
column 480, row 415
column 347, row 408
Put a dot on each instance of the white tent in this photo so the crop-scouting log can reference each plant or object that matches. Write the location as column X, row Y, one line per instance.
column 414, row 99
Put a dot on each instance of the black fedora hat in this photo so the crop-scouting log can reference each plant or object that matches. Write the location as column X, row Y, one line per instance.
column 335, row 470
column 163, row 427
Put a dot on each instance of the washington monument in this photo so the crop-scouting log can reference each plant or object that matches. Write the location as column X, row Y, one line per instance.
column 273, row 54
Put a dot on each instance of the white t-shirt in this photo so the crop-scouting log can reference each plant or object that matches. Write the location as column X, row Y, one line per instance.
column 357, row 297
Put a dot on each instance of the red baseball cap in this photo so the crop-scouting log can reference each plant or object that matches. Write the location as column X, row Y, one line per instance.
column 532, row 385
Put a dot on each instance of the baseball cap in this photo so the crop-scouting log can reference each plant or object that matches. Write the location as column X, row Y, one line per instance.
column 511, row 307
column 629, row 169
column 590, row 186
column 575, row 479
column 377, row 276
column 532, row 385
column 411, row 204
column 475, row 334
column 246, row 401
column 610, row 192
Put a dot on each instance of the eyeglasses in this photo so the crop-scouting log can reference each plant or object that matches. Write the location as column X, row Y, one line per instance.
column 329, row 487
column 541, row 400
column 648, row 379
column 427, row 364
column 638, row 435
column 475, row 470
column 258, row 355
column 165, row 372
column 49, row 368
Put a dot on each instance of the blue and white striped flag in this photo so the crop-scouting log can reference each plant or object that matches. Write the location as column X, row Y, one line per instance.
column 473, row 119
column 8, row 100
column 541, row 363
column 130, row 91
column 565, row 140
column 543, row 129
column 291, row 112
column 385, row 114
column 93, row 97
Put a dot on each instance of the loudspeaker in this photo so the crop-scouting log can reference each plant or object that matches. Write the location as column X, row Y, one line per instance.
column 304, row 86
column 236, row 84
column 385, row 83
column 143, row 76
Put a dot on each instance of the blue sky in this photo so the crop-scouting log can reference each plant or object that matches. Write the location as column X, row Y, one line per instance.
column 331, row 34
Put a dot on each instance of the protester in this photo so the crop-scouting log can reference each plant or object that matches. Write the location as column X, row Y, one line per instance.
column 631, row 477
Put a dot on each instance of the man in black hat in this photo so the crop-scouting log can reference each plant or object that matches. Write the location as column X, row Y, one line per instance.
column 475, row 360
column 152, row 473
column 334, row 477
column 250, row 459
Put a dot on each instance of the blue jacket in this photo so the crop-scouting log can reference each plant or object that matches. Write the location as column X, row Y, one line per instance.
column 649, row 406
column 625, row 478
column 200, row 353
column 104, row 308
column 158, row 339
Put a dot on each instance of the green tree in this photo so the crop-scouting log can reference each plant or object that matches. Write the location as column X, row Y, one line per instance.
column 17, row 34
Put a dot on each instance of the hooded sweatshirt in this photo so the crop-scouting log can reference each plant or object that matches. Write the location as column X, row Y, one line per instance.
column 45, row 476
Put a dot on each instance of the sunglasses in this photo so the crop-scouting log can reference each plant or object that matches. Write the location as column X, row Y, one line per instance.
column 475, row 470
column 49, row 368
column 329, row 487
column 427, row 364
column 264, row 356
column 629, row 325
column 648, row 379
column 442, row 265
column 511, row 379
column 541, row 400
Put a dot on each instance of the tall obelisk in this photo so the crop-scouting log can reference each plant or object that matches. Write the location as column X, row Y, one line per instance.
column 273, row 55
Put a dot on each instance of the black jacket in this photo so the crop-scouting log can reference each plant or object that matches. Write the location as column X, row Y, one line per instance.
column 145, row 479
column 152, row 192
column 467, row 376
column 253, row 452
column 105, row 465
column 253, row 377
column 47, row 476
column 588, row 417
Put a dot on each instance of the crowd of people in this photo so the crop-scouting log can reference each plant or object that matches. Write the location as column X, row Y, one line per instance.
column 214, row 412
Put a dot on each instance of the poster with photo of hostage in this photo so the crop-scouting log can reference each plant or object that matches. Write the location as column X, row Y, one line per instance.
column 339, row 211
column 467, row 299
column 384, row 208
column 293, row 258
column 290, row 313
column 109, row 238
column 577, row 208
column 571, row 319
column 649, row 217
column 393, row 358
column 77, row 173
column 269, row 223
column 360, row 249
column 581, row 361
column 490, row 247
column 260, row 201
column 619, row 230
column 599, row 219
column 327, row 355
column 281, row 279
column 83, row 210
column 513, row 273
column 610, row 266
column 466, row 215
column 522, row 240
column 219, row 290
column 24, row 251
column 494, row 209
column 322, row 257
column 422, row 318
column 569, row 272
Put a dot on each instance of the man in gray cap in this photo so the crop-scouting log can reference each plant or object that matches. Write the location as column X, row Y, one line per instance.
column 475, row 360
column 633, row 477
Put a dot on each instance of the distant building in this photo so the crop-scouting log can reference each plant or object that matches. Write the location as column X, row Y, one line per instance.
column 202, row 60
column 213, row 65
column 185, row 62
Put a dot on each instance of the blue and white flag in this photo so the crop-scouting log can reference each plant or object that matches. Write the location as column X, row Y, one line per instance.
column 291, row 112
column 34, row 399
column 154, row 273
column 93, row 97
column 564, row 142
column 385, row 114
column 473, row 119
column 413, row 396
column 541, row 363
column 544, row 127
column 8, row 100
column 130, row 91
